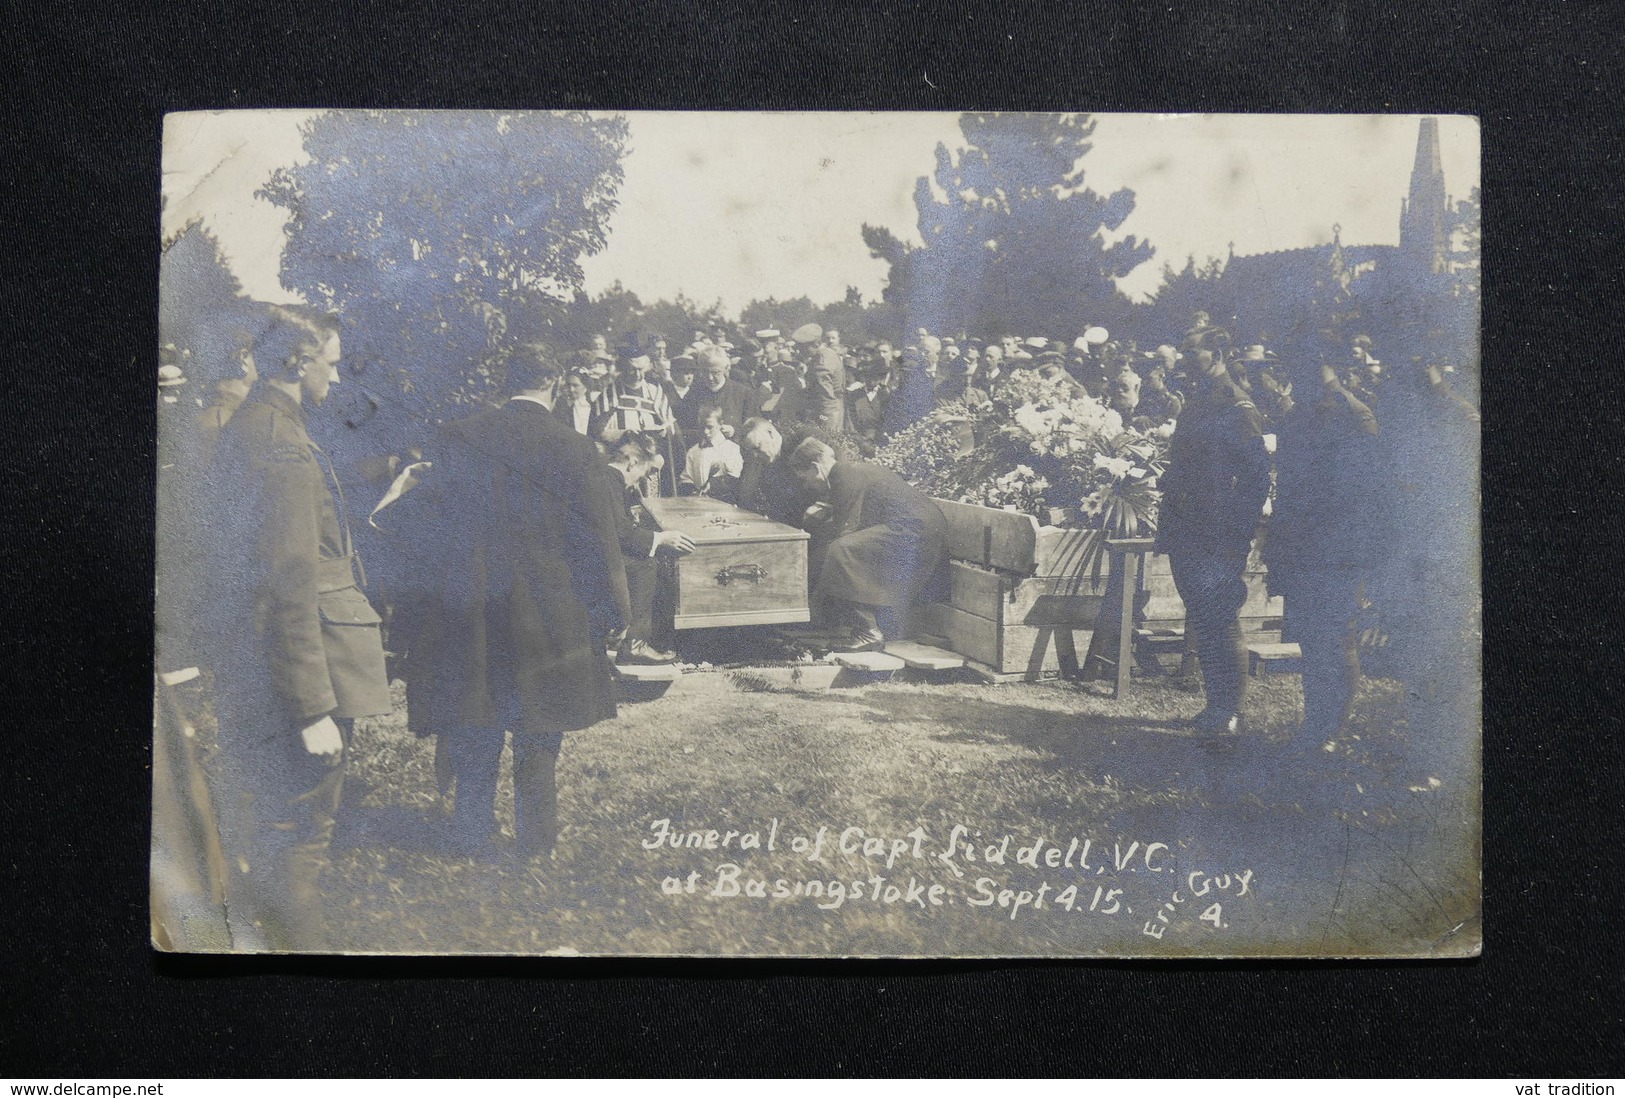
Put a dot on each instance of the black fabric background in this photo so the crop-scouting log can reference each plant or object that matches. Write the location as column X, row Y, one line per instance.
column 85, row 91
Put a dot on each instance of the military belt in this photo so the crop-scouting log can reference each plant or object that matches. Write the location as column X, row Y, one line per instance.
column 335, row 573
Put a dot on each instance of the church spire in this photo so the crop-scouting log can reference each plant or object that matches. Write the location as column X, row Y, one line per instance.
column 1423, row 217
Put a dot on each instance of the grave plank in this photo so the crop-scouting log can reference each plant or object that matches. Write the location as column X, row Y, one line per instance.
column 868, row 661
column 924, row 657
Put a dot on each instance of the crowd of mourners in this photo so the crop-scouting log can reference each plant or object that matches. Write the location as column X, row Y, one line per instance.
column 516, row 561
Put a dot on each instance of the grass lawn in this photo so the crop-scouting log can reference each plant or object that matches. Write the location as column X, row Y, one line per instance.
column 939, row 805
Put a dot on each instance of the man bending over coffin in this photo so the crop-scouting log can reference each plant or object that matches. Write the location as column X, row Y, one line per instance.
column 632, row 458
column 886, row 541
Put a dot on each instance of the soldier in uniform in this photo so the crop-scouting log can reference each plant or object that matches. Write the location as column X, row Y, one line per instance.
column 824, row 399
column 1125, row 392
column 1051, row 366
column 1427, row 587
column 298, row 647
column 1213, row 494
column 1272, row 395
column 1324, row 534
column 954, row 386
column 1158, row 404
column 973, row 362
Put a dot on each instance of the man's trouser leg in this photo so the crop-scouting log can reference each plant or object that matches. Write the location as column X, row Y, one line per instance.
column 1213, row 591
column 535, row 788
column 642, row 576
column 444, row 775
column 285, row 800
column 857, row 616
column 1321, row 607
column 311, row 817
column 475, row 754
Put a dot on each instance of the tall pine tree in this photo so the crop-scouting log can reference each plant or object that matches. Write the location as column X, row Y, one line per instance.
column 1013, row 238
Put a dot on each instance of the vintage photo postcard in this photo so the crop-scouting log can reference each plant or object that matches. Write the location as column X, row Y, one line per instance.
column 818, row 535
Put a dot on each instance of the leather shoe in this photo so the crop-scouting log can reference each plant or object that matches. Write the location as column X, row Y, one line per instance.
column 641, row 652
column 867, row 640
column 1215, row 720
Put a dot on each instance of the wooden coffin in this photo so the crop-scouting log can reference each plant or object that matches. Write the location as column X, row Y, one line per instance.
column 745, row 569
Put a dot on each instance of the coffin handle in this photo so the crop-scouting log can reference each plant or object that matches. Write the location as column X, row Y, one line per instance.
column 755, row 573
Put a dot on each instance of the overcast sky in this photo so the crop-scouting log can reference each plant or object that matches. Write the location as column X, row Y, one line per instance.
column 733, row 207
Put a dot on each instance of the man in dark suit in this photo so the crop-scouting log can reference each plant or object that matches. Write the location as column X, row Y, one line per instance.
column 297, row 647
column 992, row 372
column 734, row 399
column 1212, row 497
column 521, row 539
column 913, row 393
column 885, row 541
column 685, row 396
column 866, row 403
column 574, row 406
column 632, row 458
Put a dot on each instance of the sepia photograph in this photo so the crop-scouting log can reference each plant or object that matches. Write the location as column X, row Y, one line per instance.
column 905, row 535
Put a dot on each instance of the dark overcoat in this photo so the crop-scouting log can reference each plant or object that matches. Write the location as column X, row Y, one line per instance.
column 686, row 407
column 911, row 401
column 518, row 539
column 888, row 538
column 864, row 414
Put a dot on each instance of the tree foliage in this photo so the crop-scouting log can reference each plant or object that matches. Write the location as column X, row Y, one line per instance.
column 857, row 320
column 1013, row 238
column 1181, row 294
column 622, row 318
column 1335, row 309
column 439, row 237
column 769, row 312
column 1466, row 241
column 202, row 313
